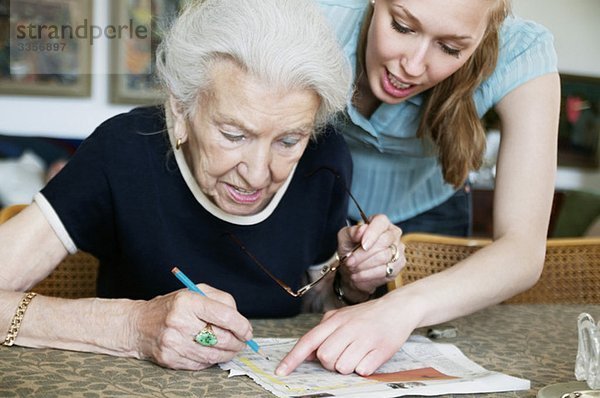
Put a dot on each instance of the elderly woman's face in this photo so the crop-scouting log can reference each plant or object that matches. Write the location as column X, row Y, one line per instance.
column 246, row 137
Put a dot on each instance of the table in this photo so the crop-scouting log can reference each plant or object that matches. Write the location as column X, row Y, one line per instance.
column 537, row 342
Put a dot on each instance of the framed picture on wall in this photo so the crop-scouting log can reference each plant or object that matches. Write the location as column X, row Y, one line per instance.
column 133, row 77
column 579, row 128
column 45, row 47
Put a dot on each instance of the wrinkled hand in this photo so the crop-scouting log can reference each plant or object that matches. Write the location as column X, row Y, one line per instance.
column 365, row 269
column 357, row 339
column 166, row 327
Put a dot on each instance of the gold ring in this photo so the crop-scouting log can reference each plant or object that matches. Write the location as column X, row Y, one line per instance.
column 206, row 336
column 389, row 270
column 395, row 254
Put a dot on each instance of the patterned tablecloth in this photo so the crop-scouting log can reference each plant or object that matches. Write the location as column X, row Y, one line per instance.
column 536, row 342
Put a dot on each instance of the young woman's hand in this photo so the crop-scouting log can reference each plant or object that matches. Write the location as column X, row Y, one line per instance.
column 358, row 338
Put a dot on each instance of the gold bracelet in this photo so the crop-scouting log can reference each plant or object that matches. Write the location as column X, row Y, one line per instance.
column 15, row 323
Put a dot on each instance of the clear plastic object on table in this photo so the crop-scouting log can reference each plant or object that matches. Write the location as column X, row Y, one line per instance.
column 587, row 363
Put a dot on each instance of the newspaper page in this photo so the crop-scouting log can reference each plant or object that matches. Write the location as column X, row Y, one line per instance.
column 421, row 367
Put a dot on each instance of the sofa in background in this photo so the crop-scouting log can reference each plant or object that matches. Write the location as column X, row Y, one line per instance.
column 578, row 214
column 26, row 163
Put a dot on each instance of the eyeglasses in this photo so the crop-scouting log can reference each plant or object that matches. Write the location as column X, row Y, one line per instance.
column 326, row 269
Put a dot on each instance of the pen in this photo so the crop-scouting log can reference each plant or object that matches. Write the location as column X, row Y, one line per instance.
column 192, row 286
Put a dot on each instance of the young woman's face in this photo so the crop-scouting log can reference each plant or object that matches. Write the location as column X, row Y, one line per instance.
column 414, row 44
column 246, row 137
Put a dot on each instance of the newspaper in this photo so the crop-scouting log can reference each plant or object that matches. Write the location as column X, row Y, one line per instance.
column 421, row 367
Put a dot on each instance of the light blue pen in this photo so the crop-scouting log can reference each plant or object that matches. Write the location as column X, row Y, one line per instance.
column 192, row 286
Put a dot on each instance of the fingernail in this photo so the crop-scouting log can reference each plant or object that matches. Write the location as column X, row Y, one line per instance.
column 366, row 245
column 281, row 370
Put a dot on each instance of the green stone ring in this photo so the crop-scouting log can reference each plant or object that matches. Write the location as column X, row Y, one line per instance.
column 206, row 337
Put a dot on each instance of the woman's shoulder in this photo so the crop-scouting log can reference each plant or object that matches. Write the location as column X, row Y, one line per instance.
column 343, row 15
column 330, row 142
column 119, row 133
column 526, row 52
column 514, row 23
column 328, row 149
column 139, row 118
column 518, row 34
column 345, row 18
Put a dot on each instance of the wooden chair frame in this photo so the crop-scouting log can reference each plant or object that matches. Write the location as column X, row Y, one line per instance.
column 571, row 272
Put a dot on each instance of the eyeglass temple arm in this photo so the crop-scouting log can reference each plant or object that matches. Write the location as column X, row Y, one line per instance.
column 337, row 175
column 276, row 279
column 360, row 210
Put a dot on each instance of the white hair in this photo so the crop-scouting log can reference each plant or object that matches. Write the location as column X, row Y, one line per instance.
column 288, row 44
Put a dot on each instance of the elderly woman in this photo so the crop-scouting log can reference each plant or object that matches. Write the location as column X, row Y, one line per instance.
column 229, row 181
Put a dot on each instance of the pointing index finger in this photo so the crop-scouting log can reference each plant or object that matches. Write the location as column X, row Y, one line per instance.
column 301, row 351
column 304, row 348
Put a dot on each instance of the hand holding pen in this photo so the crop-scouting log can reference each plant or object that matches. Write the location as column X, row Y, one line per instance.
column 206, row 336
column 164, row 329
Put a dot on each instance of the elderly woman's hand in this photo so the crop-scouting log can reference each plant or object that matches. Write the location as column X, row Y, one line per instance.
column 166, row 326
column 379, row 259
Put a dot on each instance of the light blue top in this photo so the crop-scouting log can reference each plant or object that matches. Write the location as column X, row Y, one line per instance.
column 394, row 173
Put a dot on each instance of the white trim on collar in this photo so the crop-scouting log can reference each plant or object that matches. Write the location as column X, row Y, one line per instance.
column 206, row 202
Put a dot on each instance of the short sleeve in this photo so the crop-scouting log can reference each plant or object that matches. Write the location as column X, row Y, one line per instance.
column 526, row 52
column 80, row 196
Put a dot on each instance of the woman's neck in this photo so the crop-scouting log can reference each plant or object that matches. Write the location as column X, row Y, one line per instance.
column 363, row 99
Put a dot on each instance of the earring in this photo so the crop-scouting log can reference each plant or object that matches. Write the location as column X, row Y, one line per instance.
column 178, row 144
column 372, row 2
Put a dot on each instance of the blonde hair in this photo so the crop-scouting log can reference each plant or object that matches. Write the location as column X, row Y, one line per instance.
column 449, row 117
